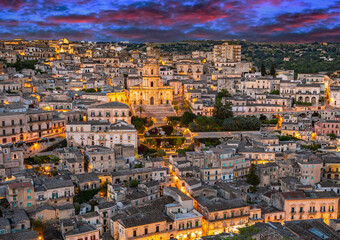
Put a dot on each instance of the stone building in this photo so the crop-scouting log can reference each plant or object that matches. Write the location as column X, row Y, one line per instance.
column 151, row 91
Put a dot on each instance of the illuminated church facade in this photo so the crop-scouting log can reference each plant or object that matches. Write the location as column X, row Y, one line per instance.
column 151, row 91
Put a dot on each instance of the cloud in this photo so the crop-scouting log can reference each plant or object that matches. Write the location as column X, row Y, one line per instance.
column 171, row 20
column 74, row 18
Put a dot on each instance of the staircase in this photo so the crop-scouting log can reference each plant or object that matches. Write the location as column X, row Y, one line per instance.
column 158, row 112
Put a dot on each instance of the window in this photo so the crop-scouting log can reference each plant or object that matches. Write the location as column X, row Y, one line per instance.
column 145, row 231
column 157, row 228
column 293, row 210
column 28, row 197
column 134, row 233
column 28, row 190
column 29, row 204
column 301, row 209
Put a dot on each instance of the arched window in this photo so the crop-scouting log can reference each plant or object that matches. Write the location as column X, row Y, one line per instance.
column 151, row 84
column 151, row 71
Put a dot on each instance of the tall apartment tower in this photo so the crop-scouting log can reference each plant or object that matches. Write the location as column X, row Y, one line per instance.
column 227, row 53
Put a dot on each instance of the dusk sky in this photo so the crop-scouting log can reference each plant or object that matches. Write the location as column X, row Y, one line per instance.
column 171, row 20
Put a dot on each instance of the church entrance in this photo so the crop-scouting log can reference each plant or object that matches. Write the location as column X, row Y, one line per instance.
column 152, row 101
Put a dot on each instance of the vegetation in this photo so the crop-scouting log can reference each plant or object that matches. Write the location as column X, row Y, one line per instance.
column 141, row 123
column 331, row 135
column 146, row 151
column 253, row 178
column 303, row 58
column 241, row 123
column 245, row 233
column 85, row 196
column 222, row 111
column 187, row 118
column 22, row 65
column 287, row 138
column 303, row 103
column 41, row 159
column 38, row 226
column 223, row 93
column 166, row 142
column 185, row 105
column 134, row 183
column 181, row 151
column 275, row 92
column 161, row 153
column 313, row 147
column 91, row 90
column 263, row 70
column 208, row 141
column 270, row 121
column 167, row 129
column 139, row 165
column 140, row 109
column 272, row 70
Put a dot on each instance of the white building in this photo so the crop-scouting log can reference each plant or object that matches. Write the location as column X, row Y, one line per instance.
column 101, row 133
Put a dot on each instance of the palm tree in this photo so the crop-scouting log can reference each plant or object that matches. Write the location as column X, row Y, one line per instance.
column 140, row 109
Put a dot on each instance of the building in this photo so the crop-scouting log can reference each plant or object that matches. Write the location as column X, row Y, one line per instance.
column 151, row 91
column 100, row 159
column 301, row 205
column 101, row 133
column 72, row 229
column 227, row 53
column 111, row 112
column 20, row 195
column 222, row 215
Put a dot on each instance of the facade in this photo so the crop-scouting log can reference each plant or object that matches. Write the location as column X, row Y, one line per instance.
column 20, row 195
column 111, row 112
column 222, row 215
column 299, row 205
column 151, row 91
column 101, row 133
column 227, row 53
column 100, row 159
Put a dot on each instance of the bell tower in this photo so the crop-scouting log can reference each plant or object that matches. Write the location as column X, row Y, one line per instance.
column 151, row 75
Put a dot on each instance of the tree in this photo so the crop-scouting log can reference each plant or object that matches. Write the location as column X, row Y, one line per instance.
column 263, row 70
column 186, row 105
column 187, row 118
column 161, row 153
column 178, row 142
column 140, row 109
column 38, row 226
column 180, row 151
column 272, row 70
column 223, row 93
column 245, row 233
column 139, row 123
column 153, row 142
column 222, row 111
column 167, row 129
column 229, row 124
column 176, row 109
column 252, row 177
column 134, row 183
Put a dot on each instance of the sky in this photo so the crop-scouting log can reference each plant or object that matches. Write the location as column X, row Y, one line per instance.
column 172, row 20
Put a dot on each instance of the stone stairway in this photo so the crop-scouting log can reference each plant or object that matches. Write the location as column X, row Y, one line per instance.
column 157, row 112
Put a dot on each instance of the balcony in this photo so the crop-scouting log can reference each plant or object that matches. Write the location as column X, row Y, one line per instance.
column 228, row 218
column 312, row 212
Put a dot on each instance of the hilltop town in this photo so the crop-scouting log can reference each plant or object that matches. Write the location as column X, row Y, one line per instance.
column 199, row 140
